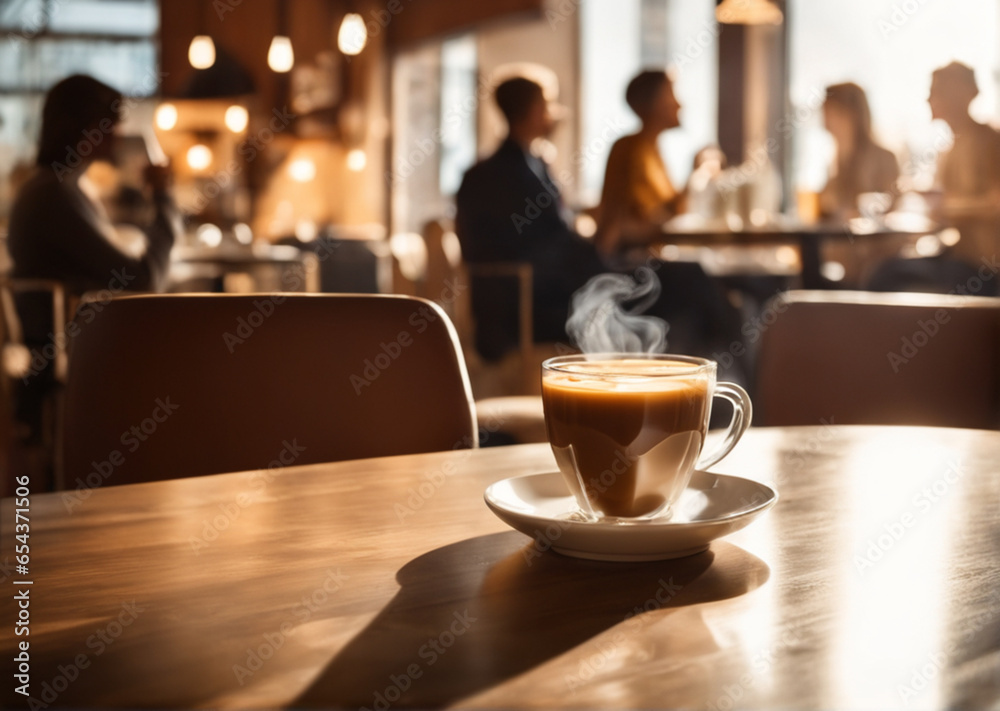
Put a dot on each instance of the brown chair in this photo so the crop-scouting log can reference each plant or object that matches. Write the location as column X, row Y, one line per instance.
column 16, row 357
column 183, row 385
column 34, row 453
column 865, row 358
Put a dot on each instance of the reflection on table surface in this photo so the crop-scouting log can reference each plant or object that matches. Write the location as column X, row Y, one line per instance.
column 387, row 583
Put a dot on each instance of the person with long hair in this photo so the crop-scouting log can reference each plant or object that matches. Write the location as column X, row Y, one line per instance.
column 861, row 164
column 57, row 230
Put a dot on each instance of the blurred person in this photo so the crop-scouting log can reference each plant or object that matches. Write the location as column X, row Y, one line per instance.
column 59, row 231
column 509, row 209
column 971, row 168
column 861, row 165
column 637, row 198
column 638, row 193
column 968, row 175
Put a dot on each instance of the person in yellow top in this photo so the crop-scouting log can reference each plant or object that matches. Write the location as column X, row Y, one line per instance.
column 637, row 190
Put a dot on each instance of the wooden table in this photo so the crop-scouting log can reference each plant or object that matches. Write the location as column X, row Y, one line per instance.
column 808, row 240
column 386, row 583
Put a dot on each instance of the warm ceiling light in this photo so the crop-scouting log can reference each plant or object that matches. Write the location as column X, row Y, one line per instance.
column 280, row 56
column 353, row 34
column 201, row 53
column 237, row 118
column 748, row 12
column 199, row 157
column 166, row 116
column 302, row 170
column 356, row 160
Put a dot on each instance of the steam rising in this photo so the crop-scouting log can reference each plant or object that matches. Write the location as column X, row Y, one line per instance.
column 605, row 315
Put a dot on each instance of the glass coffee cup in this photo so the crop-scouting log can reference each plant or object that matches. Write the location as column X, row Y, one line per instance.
column 627, row 430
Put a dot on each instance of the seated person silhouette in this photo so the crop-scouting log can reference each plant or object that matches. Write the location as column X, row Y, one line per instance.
column 638, row 192
column 509, row 209
column 58, row 231
column 637, row 198
column 861, row 164
column 969, row 173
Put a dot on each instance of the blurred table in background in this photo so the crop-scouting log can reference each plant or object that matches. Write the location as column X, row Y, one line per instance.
column 351, row 258
column 260, row 267
column 786, row 249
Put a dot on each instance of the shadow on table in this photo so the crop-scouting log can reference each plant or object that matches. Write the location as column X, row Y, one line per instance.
column 473, row 614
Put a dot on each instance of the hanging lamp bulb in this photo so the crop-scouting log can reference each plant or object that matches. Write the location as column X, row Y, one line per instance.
column 749, row 12
column 280, row 56
column 201, row 53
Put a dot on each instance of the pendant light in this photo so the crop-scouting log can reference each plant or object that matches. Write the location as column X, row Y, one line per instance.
column 353, row 35
column 280, row 57
column 749, row 12
column 201, row 52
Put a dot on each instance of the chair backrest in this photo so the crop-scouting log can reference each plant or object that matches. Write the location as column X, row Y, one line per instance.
column 48, row 303
column 183, row 385
column 864, row 358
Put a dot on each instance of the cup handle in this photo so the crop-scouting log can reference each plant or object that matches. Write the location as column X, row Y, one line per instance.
column 742, row 414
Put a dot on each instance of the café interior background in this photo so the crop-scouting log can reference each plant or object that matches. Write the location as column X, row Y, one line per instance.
column 378, row 137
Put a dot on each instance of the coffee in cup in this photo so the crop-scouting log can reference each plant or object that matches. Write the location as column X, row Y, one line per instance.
column 627, row 430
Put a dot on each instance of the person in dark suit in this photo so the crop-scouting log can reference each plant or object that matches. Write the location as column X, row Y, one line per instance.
column 509, row 209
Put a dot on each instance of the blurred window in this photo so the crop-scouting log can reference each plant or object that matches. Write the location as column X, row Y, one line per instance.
column 620, row 39
column 43, row 41
column 458, row 102
column 890, row 49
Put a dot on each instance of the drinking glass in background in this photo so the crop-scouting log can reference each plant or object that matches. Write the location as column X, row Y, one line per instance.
column 874, row 206
column 807, row 202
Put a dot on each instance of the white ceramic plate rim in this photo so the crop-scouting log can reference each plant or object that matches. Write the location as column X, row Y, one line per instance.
column 649, row 540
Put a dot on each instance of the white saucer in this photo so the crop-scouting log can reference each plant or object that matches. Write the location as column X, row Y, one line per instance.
column 713, row 505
